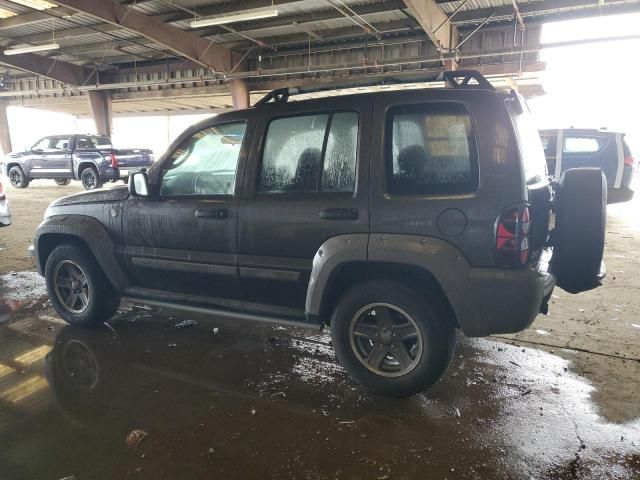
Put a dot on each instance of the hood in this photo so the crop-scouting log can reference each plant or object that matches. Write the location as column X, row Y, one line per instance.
column 98, row 196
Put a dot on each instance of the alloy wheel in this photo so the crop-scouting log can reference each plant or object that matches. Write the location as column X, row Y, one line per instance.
column 71, row 286
column 89, row 180
column 15, row 178
column 386, row 339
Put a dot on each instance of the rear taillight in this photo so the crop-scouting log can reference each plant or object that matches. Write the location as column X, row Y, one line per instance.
column 114, row 160
column 629, row 160
column 513, row 231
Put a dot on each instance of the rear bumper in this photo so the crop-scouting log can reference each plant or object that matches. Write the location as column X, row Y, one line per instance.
column 506, row 301
column 121, row 173
column 619, row 195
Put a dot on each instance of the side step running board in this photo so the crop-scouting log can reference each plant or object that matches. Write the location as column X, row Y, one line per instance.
column 252, row 317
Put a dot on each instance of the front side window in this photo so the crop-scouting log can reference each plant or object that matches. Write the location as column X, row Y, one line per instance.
column 205, row 163
column 293, row 160
column 60, row 143
column 52, row 143
column 42, row 144
column 431, row 150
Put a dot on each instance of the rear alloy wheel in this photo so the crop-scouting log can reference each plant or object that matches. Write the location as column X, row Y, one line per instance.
column 90, row 179
column 62, row 181
column 17, row 178
column 77, row 287
column 385, row 339
column 391, row 338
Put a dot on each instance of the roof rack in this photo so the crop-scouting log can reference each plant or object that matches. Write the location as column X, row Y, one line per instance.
column 467, row 79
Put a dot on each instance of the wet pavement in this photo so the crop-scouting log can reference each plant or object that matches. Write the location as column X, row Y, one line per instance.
column 218, row 399
column 221, row 400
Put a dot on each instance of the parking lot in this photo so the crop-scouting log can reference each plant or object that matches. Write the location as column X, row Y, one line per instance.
column 218, row 398
column 335, row 240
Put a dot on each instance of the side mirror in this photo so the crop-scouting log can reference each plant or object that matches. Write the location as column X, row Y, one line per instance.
column 139, row 184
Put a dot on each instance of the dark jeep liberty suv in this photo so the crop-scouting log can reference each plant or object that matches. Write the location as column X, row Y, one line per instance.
column 395, row 217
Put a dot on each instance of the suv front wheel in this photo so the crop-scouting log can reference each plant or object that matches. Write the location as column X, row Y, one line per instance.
column 17, row 178
column 391, row 338
column 77, row 287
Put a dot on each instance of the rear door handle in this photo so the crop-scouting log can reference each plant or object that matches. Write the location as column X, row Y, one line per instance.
column 340, row 214
column 215, row 213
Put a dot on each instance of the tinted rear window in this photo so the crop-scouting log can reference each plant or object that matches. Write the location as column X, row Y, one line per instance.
column 431, row 149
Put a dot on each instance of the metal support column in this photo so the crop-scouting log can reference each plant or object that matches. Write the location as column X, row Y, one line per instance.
column 5, row 136
column 100, row 104
column 239, row 94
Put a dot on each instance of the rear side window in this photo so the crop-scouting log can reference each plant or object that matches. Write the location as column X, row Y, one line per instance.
column 310, row 153
column 431, row 149
column 581, row 144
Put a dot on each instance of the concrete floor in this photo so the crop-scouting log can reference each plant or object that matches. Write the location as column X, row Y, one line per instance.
column 221, row 400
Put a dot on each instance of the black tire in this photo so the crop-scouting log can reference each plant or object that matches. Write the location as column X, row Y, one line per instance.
column 102, row 301
column 579, row 234
column 90, row 178
column 435, row 330
column 62, row 181
column 17, row 178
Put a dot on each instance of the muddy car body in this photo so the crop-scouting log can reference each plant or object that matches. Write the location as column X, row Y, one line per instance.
column 395, row 217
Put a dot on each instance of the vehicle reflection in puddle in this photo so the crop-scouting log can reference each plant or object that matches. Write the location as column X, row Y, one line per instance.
column 218, row 399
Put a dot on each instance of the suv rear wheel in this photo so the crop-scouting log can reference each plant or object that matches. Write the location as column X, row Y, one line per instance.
column 90, row 178
column 78, row 289
column 17, row 178
column 391, row 339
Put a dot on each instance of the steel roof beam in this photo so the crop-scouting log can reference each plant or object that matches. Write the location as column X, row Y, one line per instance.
column 434, row 22
column 31, row 18
column 40, row 65
column 186, row 44
column 548, row 7
column 304, row 22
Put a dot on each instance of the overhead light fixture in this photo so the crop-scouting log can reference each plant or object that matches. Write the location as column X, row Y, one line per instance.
column 32, row 48
column 6, row 13
column 237, row 17
column 36, row 4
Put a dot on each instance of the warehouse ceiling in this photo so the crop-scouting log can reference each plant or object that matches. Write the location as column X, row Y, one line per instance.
column 151, row 57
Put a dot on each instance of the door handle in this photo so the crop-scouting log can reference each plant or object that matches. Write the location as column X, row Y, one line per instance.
column 216, row 213
column 340, row 214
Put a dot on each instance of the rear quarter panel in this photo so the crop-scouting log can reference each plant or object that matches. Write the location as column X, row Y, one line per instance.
column 501, row 181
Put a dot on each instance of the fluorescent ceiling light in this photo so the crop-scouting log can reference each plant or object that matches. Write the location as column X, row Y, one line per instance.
column 237, row 17
column 6, row 13
column 32, row 48
column 37, row 4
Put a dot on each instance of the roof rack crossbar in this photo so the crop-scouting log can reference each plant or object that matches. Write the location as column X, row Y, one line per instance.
column 452, row 79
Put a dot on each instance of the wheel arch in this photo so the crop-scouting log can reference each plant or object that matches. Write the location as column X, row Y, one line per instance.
column 10, row 165
column 433, row 264
column 86, row 164
column 82, row 231
column 351, row 273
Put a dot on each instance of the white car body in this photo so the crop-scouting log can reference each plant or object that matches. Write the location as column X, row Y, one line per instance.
column 5, row 212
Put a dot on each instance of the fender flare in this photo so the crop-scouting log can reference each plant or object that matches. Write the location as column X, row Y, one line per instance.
column 91, row 232
column 81, row 164
column 437, row 257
